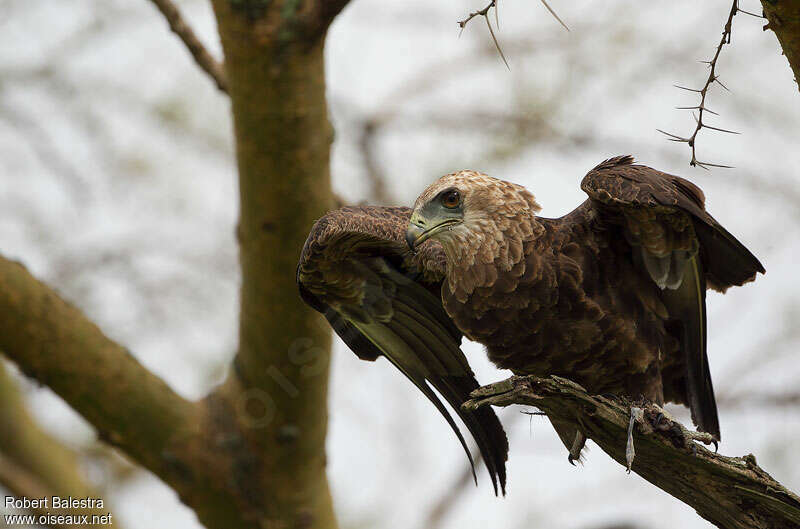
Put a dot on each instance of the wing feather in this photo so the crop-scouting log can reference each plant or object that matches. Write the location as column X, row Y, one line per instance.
column 683, row 249
column 382, row 300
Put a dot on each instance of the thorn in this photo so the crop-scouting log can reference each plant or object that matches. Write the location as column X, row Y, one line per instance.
column 721, row 130
column 497, row 44
column 546, row 5
column 673, row 137
column 716, row 79
column 687, row 89
column 706, row 165
column 740, row 10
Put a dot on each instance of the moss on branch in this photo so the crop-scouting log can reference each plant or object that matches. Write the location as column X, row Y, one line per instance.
column 784, row 20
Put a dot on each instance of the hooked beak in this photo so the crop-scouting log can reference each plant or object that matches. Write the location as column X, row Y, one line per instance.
column 417, row 231
column 413, row 234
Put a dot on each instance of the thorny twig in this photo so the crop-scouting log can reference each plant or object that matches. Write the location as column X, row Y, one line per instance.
column 214, row 68
column 701, row 107
column 485, row 14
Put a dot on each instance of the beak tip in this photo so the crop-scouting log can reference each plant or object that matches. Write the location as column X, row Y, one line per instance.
column 413, row 234
column 410, row 239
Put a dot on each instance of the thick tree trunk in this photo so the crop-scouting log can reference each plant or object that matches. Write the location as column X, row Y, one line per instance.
column 275, row 70
column 252, row 454
column 784, row 20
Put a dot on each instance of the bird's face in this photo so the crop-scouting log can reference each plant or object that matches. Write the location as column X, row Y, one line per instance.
column 441, row 213
column 465, row 207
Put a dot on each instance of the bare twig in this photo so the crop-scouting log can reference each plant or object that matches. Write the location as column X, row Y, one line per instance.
column 481, row 12
column 701, row 107
column 485, row 14
column 761, row 400
column 214, row 68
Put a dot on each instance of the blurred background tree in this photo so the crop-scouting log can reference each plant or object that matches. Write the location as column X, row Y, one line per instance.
column 119, row 191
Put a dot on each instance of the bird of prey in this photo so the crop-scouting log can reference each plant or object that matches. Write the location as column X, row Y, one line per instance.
column 611, row 295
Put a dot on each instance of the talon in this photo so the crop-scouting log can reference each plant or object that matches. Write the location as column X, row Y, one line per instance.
column 570, row 459
column 658, row 419
column 702, row 437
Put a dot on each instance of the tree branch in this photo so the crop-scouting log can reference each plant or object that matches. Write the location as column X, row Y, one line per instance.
column 214, row 68
column 54, row 343
column 22, row 482
column 784, row 20
column 132, row 409
column 730, row 492
column 32, row 460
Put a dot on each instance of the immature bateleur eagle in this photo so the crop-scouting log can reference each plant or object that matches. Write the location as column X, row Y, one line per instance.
column 611, row 296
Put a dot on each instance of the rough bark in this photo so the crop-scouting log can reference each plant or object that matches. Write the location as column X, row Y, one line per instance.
column 784, row 20
column 276, row 81
column 730, row 492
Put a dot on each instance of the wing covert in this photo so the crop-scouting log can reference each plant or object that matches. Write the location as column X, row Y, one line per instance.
column 382, row 300
column 683, row 249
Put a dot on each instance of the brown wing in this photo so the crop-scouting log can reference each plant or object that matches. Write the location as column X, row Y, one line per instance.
column 382, row 300
column 683, row 249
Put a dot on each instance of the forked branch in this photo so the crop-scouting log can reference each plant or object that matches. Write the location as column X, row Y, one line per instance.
column 730, row 492
column 485, row 14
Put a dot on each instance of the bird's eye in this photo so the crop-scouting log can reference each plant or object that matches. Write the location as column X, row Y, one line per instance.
column 451, row 199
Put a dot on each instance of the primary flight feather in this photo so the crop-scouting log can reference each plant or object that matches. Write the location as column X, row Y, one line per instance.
column 611, row 296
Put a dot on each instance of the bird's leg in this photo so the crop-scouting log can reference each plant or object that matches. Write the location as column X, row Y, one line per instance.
column 703, row 437
column 663, row 419
column 630, row 453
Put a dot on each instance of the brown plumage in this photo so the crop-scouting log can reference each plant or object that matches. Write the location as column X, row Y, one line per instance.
column 611, row 295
